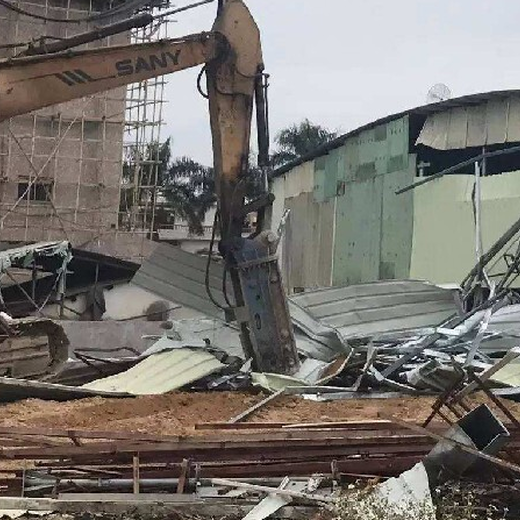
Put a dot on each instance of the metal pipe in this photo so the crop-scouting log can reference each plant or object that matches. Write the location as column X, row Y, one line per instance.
column 454, row 168
column 104, row 483
column 261, row 120
column 99, row 483
column 491, row 253
column 478, row 216
column 181, row 9
column 130, row 23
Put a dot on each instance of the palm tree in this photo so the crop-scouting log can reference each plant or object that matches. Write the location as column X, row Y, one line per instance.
column 298, row 140
column 189, row 190
column 186, row 189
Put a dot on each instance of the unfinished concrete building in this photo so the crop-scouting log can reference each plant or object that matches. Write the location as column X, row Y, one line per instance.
column 74, row 150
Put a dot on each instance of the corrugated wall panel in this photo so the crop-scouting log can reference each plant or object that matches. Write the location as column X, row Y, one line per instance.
column 497, row 121
column 331, row 174
column 358, row 231
column 327, row 215
column 319, row 179
column 294, row 242
column 308, row 242
column 397, row 210
column 396, row 237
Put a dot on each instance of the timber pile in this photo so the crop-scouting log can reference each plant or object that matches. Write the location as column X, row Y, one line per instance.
column 43, row 462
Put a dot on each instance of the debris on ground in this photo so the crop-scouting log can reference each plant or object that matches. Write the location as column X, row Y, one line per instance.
column 402, row 405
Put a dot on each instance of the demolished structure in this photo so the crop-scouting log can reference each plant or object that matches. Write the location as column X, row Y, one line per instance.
column 223, row 325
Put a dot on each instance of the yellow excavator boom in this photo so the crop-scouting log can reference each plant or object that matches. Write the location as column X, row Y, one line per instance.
column 232, row 55
column 35, row 82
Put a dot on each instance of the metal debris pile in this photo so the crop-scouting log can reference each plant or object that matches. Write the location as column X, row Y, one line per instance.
column 373, row 341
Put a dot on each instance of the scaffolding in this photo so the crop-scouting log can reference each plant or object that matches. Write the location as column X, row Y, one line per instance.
column 60, row 166
column 142, row 143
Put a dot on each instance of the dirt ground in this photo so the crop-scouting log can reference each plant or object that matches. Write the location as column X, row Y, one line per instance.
column 178, row 412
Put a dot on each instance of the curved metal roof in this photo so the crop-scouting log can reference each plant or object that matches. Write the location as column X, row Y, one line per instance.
column 469, row 100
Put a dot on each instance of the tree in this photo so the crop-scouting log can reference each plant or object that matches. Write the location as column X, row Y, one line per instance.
column 298, row 140
column 189, row 190
column 142, row 167
column 186, row 188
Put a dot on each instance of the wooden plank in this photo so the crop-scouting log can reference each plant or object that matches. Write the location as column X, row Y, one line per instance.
column 230, row 440
column 240, row 426
column 85, row 434
column 256, row 407
column 291, row 439
column 272, row 491
column 369, row 425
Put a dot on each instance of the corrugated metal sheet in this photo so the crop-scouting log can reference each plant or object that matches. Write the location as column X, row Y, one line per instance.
column 378, row 307
column 20, row 255
column 12, row 389
column 161, row 373
column 354, row 311
column 308, row 241
column 495, row 121
column 179, row 276
column 221, row 335
column 508, row 375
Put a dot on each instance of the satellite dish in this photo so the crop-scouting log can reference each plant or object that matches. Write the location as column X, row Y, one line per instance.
column 439, row 92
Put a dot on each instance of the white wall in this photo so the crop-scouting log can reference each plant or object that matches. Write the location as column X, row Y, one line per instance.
column 122, row 302
column 443, row 247
column 289, row 185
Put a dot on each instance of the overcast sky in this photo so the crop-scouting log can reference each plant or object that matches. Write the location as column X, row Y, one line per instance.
column 343, row 63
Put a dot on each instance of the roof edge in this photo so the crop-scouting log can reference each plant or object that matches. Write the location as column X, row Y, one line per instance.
column 424, row 109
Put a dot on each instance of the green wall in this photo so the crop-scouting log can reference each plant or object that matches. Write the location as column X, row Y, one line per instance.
column 373, row 229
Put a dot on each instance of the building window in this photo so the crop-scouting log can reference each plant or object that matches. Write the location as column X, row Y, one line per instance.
column 39, row 191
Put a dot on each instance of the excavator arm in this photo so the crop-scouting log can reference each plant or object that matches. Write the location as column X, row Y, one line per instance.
column 35, row 82
column 232, row 55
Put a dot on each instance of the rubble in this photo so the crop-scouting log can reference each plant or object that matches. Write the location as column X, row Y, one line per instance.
column 394, row 395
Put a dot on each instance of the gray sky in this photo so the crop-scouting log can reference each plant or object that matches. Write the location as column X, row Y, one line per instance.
column 343, row 63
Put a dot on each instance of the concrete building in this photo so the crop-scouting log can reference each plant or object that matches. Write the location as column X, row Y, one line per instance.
column 178, row 234
column 348, row 225
column 75, row 148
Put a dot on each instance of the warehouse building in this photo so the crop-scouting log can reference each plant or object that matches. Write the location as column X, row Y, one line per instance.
column 347, row 224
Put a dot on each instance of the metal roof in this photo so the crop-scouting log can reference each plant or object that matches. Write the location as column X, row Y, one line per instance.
column 22, row 256
column 160, row 373
column 496, row 121
column 12, row 389
column 178, row 276
column 376, row 308
column 469, row 100
column 353, row 311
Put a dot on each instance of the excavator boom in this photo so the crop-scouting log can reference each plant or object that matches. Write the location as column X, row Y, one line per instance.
column 34, row 82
